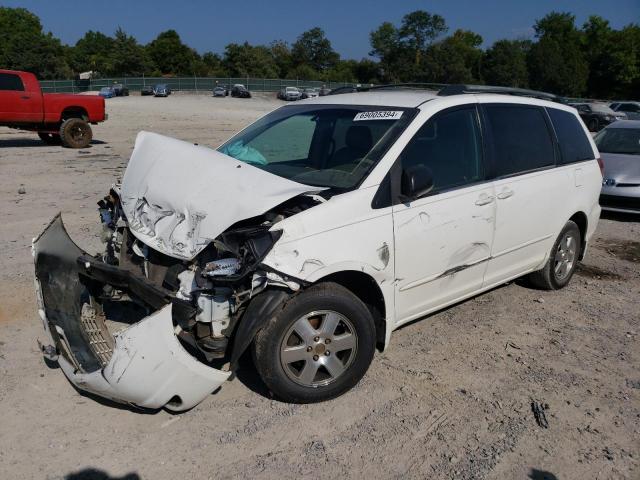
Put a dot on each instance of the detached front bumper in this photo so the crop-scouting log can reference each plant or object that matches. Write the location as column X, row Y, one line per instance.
column 144, row 364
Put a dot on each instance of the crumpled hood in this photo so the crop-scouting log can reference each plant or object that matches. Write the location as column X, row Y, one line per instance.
column 178, row 197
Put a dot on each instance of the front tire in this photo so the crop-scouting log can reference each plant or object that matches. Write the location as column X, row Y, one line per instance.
column 317, row 347
column 593, row 125
column 561, row 266
column 75, row 133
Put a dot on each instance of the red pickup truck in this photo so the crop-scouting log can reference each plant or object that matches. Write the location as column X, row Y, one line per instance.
column 57, row 117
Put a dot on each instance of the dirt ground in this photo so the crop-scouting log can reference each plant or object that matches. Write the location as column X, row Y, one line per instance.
column 450, row 398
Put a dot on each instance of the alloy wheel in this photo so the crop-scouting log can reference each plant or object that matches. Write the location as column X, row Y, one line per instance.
column 318, row 348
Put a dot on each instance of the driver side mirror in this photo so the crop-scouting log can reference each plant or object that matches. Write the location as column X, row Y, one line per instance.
column 416, row 182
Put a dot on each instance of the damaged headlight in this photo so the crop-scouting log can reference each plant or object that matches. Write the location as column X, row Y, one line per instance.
column 222, row 267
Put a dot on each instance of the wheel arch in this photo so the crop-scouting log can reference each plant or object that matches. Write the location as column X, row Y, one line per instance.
column 367, row 289
column 74, row 112
column 580, row 218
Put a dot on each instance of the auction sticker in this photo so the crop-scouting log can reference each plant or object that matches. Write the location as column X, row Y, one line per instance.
column 381, row 115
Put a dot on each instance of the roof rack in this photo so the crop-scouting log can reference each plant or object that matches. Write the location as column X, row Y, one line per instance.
column 410, row 86
column 391, row 86
column 521, row 92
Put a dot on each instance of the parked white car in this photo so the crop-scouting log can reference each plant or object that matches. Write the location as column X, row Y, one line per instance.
column 310, row 236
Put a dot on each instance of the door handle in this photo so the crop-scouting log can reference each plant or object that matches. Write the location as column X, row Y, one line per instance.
column 485, row 200
column 25, row 97
column 505, row 194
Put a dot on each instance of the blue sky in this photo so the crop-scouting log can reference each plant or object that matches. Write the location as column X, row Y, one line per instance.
column 210, row 25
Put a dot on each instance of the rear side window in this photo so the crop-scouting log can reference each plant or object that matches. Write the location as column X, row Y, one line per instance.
column 521, row 139
column 574, row 144
column 629, row 107
column 450, row 146
column 9, row 81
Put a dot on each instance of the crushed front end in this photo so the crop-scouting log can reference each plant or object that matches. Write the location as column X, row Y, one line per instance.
column 161, row 316
column 144, row 364
column 175, row 334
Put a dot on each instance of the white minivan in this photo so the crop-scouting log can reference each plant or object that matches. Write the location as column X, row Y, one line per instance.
column 310, row 236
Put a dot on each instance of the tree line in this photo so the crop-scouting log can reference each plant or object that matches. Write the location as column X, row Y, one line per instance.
column 593, row 60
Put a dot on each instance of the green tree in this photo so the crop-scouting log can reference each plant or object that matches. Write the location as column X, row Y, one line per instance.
column 281, row 54
column 170, row 55
column 402, row 49
column 556, row 62
column 367, row 71
column 418, row 30
column 505, row 63
column 386, row 46
column 128, row 57
column 210, row 65
column 24, row 46
column 302, row 72
column 613, row 57
column 314, row 49
column 92, row 52
column 456, row 59
column 343, row 71
column 245, row 60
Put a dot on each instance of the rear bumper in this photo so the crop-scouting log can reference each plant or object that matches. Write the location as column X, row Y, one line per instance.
column 143, row 365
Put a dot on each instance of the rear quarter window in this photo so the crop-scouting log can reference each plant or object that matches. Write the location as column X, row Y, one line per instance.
column 9, row 81
column 521, row 138
column 573, row 141
column 629, row 107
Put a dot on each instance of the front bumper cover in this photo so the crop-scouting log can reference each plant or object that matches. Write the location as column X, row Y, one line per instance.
column 143, row 365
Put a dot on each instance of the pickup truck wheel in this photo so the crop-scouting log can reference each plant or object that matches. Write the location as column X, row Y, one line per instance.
column 75, row 133
column 317, row 347
column 50, row 138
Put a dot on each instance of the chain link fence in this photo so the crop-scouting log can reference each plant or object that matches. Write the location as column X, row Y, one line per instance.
column 191, row 84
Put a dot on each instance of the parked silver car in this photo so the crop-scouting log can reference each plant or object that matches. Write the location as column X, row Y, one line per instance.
column 309, row 93
column 220, row 91
column 597, row 115
column 290, row 93
column 631, row 109
column 619, row 146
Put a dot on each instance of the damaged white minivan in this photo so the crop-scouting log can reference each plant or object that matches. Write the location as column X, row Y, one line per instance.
column 310, row 236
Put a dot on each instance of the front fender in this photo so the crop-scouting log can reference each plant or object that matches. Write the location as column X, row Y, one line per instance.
column 314, row 270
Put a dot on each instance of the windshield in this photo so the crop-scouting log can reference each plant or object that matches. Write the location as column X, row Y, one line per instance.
column 292, row 89
column 619, row 140
column 105, row 89
column 331, row 146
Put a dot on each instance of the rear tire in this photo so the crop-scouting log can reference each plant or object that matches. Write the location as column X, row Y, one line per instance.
column 50, row 138
column 75, row 133
column 317, row 347
column 562, row 262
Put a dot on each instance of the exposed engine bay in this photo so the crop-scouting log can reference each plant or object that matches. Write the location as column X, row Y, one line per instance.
column 217, row 284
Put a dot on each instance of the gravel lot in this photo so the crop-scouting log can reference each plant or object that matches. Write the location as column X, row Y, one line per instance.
column 450, row 398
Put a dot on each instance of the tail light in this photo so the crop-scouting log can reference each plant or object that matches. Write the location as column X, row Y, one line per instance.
column 601, row 165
